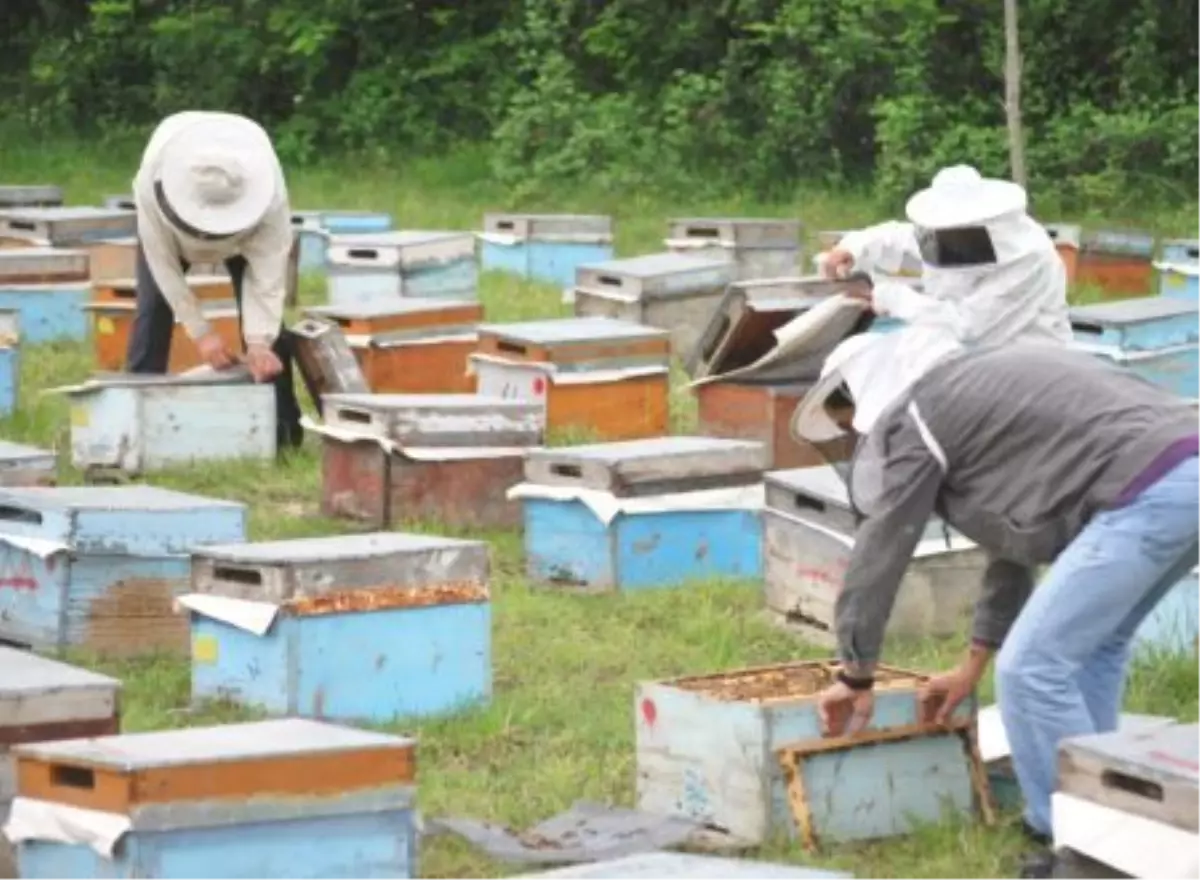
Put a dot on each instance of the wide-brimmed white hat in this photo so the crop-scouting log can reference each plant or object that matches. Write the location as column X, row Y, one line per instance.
column 959, row 196
column 218, row 173
column 876, row 369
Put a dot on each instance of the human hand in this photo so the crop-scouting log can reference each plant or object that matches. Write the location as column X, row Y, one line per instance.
column 942, row 694
column 843, row 710
column 262, row 362
column 837, row 263
column 214, row 352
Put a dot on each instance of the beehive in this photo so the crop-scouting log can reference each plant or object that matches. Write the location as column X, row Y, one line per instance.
column 141, row 423
column 1179, row 270
column 112, row 323
column 313, row 240
column 387, row 265
column 449, row 458
column 410, row 346
column 1156, row 337
column 1119, row 262
column 673, row 292
column 599, row 376
column 43, row 700
column 48, row 312
column 757, row 248
column 22, row 465
column 708, row 748
column 741, row 329
column 547, row 248
column 10, row 361
column 65, row 227
column 659, row 865
column 30, row 196
column 808, row 539
column 355, row 222
column 99, row 567
column 1067, row 239
column 285, row 798
column 1128, row 799
column 359, row 627
column 43, row 265
column 642, row 513
column 115, row 259
column 326, row 361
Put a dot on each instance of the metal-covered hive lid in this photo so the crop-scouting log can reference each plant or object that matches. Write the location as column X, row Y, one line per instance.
column 573, row 330
column 24, row 673
column 1133, row 311
column 333, row 548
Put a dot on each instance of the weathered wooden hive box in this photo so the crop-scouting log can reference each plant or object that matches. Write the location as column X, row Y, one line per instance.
column 708, row 748
column 282, row 798
column 411, row 346
column 116, row 259
column 65, row 227
column 605, row 378
column 43, row 265
column 1179, row 270
column 43, row 700
column 30, row 196
column 140, row 423
column 99, row 568
column 674, row 292
column 659, row 865
column 1174, row 624
column 1128, row 800
column 757, row 248
column 387, row 265
column 47, row 310
column 10, row 361
column 368, row 627
column 22, row 465
column 808, row 537
column 642, row 513
column 1118, row 262
column 1155, row 337
column 114, row 305
column 1067, row 238
column 547, row 248
column 447, row 458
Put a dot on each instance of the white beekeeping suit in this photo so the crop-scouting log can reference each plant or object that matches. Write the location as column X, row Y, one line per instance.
column 990, row 273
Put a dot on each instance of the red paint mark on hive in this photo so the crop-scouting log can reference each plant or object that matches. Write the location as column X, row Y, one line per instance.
column 18, row 583
column 539, row 386
column 1172, row 759
column 649, row 712
column 820, row 575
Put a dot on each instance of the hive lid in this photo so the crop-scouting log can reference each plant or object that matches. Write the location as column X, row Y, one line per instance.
column 736, row 232
column 386, row 308
column 19, row 453
column 61, row 225
column 42, row 264
column 579, row 227
column 395, row 238
column 203, row 375
column 660, row 465
column 332, row 548
column 572, row 331
column 1118, row 241
column 660, row 865
column 24, row 195
column 24, row 674
column 1134, row 311
column 436, row 420
column 654, row 276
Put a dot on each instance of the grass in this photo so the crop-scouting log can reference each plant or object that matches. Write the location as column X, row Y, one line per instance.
column 559, row 727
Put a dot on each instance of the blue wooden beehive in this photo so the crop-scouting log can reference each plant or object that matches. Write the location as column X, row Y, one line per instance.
column 313, row 239
column 364, row 627
column 365, row 269
column 1179, row 270
column 545, row 247
column 10, row 361
column 355, row 222
column 1156, row 337
column 1174, row 624
column 659, row 865
column 643, row 513
column 100, row 567
column 48, row 312
column 708, row 749
column 286, row 798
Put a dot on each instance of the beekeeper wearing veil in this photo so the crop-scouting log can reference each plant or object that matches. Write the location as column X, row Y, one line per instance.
column 990, row 273
column 1042, row 456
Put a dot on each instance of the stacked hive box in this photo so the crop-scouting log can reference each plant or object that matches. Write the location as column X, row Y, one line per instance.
column 673, row 292
column 545, row 247
column 287, row 798
column 117, row 258
column 443, row 457
column 46, row 289
column 99, row 568
column 756, row 248
column 1119, row 263
column 642, row 513
column 598, row 376
column 384, row 266
column 359, row 627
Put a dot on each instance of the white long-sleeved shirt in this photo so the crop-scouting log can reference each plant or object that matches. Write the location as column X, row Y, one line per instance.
column 266, row 248
column 1021, row 298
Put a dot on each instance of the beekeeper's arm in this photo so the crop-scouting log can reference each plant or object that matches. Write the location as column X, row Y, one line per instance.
column 1000, row 307
column 886, row 247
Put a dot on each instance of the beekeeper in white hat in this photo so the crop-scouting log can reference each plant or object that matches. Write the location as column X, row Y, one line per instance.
column 210, row 189
column 990, row 273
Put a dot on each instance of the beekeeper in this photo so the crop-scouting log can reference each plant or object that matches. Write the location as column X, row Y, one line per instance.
column 1040, row 455
column 990, row 273
column 210, row 189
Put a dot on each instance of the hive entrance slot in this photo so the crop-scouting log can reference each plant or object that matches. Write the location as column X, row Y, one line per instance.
column 65, row 776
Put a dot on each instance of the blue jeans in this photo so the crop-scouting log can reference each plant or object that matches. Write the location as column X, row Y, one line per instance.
column 1061, row 670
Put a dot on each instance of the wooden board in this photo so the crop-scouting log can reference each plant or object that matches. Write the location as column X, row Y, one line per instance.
column 283, row 571
column 1153, row 774
column 326, row 361
column 428, row 420
column 649, row 467
column 226, row 763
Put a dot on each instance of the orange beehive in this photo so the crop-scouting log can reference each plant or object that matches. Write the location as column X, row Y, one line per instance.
column 113, row 321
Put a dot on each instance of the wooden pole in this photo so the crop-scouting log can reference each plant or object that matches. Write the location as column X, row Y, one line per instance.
column 1012, row 93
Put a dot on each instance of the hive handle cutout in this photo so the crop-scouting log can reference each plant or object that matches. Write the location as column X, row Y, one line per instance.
column 1132, row 785
column 571, row 471
column 1084, row 327
column 250, row 576
column 703, row 232
column 804, row 502
column 66, row 776
column 354, row 415
column 514, row 348
column 20, row 514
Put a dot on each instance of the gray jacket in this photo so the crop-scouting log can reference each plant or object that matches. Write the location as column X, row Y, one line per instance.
column 1015, row 447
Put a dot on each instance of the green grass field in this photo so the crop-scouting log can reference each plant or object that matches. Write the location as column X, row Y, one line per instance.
column 560, row 726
